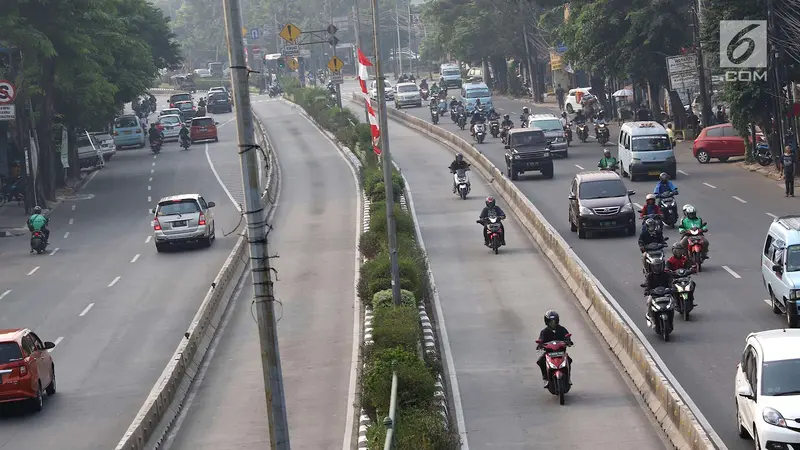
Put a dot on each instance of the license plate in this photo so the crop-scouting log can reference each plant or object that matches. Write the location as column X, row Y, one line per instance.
column 607, row 223
column 179, row 223
column 126, row 132
column 654, row 173
column 204, row 129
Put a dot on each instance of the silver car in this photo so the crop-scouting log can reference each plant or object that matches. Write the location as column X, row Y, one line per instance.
column 407, row 94
column 184, row 218
column 172, row 126
column 553, row 131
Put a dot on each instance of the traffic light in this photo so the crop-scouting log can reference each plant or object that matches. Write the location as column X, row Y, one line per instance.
column 282, row 63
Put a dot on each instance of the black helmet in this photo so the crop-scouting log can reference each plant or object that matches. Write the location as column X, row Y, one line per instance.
column 490, row 203
column 506, row 117
column 651, row 225
column 459, row 157
column 664, row 177
column 564, row 114
column 551, row 316
column 37, row 209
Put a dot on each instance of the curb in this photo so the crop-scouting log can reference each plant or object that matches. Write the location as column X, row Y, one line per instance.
column 680, row 419
column 765, row 171
column 165, row 401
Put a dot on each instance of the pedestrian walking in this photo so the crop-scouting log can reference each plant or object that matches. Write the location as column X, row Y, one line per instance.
column 788, row 164
column 560, row 97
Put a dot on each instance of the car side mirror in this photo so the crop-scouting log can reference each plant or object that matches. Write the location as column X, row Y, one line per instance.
column 49, row 345
column 153, row 211
column 746, row 392
column 631, row 192
column 572, row 197
column 777, row 268
column 216, row 123
column 211, row 204
column 507, row 147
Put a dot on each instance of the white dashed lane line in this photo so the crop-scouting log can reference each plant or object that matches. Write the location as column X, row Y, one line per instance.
column 86, row 310
column 579, row 167
column 154, row 164
column 710, row 185
column 152, row 171
column 149, row 199
column 66, row 235
column 683, row 173
column 73, row 207
column 739, row 199
column 33, row 271
column 4, row 294
column 772, row 215
column 730, row 271
column 151, row 179
column 56, row 342
column 135, row 258
column 54, row 251
column 149, row 188
column 114, row 281
column 147, row 241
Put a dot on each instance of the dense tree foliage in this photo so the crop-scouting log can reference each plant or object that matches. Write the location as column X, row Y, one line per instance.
column 81, row 61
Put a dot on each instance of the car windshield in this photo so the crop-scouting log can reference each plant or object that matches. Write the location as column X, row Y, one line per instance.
column 9, row 352
column 602, row 189
column 184, row 106
column 126, row 122
column 650, row 143
column 408, row 88
column 171, row 120
column 478, row 93
column 549, row 125
column 173, row 208
column 202, row 122
column 102, row 137
column 527, row 139
column 180, row 98
column 451, row 72
column 780, row 377
column 218, row 96
column 793, row 258
column 167, row 112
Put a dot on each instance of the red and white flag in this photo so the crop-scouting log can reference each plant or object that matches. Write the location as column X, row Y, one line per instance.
column 363, row 76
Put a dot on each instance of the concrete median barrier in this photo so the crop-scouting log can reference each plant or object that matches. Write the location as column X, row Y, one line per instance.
column 166, row 398
column 662, row 395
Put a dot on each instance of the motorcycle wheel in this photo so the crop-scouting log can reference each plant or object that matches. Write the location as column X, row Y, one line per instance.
column 764, row 161
column 562, row 389
column 686, row 309
column 463, row 194
column 697, row 260
column 496, row 245
column 664, row 330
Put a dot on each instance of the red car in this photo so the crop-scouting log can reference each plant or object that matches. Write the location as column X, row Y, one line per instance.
column 718, row 141
column 26, row 368
column 203, row 129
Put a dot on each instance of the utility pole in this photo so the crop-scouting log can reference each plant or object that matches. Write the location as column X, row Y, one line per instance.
column 532, row 78
column 398, row 55
column 357, row 13
column 701, row 69
column 776, row 84
column 387, row 158
column 411, row 29
column 257, row 234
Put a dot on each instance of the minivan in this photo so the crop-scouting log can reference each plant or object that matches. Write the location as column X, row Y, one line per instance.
column 175, row 98
column 780, row 267
column 472, row 92
column 128, row 132
column 450, row 75
column 645, row 149
column 600, row 202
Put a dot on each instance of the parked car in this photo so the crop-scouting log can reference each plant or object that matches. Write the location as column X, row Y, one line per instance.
column 175, row 98
column 767, row 389
column 718, row 141
column 600, row 202
column 128, row 132
column 170, row 126
column 219, row 102
column 572, row 103
column 203, row 129
column 181, row 219
column 27, row 370
column 87, row 154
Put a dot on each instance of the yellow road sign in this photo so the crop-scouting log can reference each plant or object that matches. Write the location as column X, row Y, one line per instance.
column 290, row 33
column 244, row 31
column 293, row 64
column 335, row 64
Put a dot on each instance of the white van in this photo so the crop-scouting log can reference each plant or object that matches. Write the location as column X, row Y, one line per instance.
column 780, row 267
column 645, row 150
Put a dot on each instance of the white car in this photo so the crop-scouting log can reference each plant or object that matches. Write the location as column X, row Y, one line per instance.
column 172, row 126
column 571, row 103
column 768, row 389
column 387, row 88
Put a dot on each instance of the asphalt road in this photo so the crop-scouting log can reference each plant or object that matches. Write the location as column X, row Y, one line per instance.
column 116, row 308
column 314, row 236
column 738, row 207
column 493, row 319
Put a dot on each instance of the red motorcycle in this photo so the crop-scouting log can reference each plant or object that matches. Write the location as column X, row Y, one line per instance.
column 695, row 246
column 558, row 367
column 495, row 232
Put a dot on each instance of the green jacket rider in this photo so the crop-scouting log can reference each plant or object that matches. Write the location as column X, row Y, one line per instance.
column 690, row 220
column 38, row 222
column 607, row 161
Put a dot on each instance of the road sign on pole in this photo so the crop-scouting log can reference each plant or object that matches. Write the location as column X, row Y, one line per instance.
column 8, row 92
column 337, row 78
column 291, row 50
column 332, row 29
column 335, row 64
column 293, row 64
column 254, row 33
column 290, row 33
column 7, row 112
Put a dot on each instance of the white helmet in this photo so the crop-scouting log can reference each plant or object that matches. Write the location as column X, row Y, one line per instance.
column 689, row 209
column 650, row 197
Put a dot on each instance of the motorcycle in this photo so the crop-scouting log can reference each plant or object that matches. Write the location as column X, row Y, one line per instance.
column 492, row 224
column 479, row 132
column 568, row 133
column 185, row 143
column 683, row 285
column 155, row 146
column 523, row 121
column 494, row 128
column 660, row 311
column 435, row 116
column 558, row 367
column 763, row 154
column 504, row 133
column 424, row 94
column 654, row 254
column 666, row 202
column 695, row 246
column 462, row 183
column 453, row 115
column 462, row 120
column 602, row 134
column 442, row 108
column 12, row 190
column 583, row 132
column 38, row 242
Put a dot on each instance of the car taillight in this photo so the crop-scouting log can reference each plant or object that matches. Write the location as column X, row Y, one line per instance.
column 156, row 225
column 23, row 370
column 202, row 220
column 172, row 105
column 116, row 133
column 138, row 130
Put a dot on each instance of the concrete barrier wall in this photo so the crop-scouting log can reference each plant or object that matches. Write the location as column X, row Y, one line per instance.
column 676, row 418
column 164, row 403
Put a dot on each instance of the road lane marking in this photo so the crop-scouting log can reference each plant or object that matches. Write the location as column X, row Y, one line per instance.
column 637, row 205
column 710, row 185
column 579, row 167
column 71, row 221
column 730, row 271
column 154, row 164
column 739, row 199
column 151, row 179
column 135, row 258
column 86, row 310
column 149, row 188
column 54, row 251
column 154, row 156
column 772, row 215
column 152, row 171
column 66, row 235
column 73, row 207
column 147, row 241
column 57, row 341
column 219, row 180
column 33, row 271
column 113, row 282
column 4, row 294
column 683, row 173
column 149, row 199
column 768, row 301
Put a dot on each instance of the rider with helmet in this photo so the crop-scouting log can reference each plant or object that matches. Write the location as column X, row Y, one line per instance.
column 523, row 118
column 38, row 222
column 553, row 331
column 678, row 260
column 607, row 161
column 478, row 116
column 184, row 133
column 491, row 209
column 507, row 122
column 690, row 219
column 651, row 234
column 664, row 185
column 453, row 102
column 458, row 164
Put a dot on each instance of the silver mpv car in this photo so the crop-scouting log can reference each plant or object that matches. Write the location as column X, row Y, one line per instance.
column 183, row 219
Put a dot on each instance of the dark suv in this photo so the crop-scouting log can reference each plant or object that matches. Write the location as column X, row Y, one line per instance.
column 219, row 102
column 528, row 150
column 598, row 202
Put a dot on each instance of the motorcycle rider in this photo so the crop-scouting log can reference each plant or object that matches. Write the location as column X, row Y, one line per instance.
column 154, row 134
column 678, row 260
column 184, row 134
column 664, row 185
column 553, row 331
column 435, row 90
column 690, row 220
column 478, row 116
column 658, row 277
column 459, row 163
column 38, row 222
column 523, row 118
column 607, row 161
column 507, row 122
column 651, row 234
column 564, row 120
column 202, row 102
column 424, row 84
column 491, row 209
column 597, row 121
column 453, row 102
column 650, row 207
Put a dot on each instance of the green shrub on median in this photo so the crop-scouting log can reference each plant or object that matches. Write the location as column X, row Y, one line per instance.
column 375, row 276
column 374, row 187
column 377, row 220
column 396, row 327
column 416, row 429
column 416, row 383
column 384, row 298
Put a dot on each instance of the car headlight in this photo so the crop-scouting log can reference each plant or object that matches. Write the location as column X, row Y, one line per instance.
column 626, row 208
column 670, row 159
column 585, row 211
column 546, row 154
column 516, row 156
column 794, row 294
column 773, row 417
column 636, row 161
column 559, row 140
